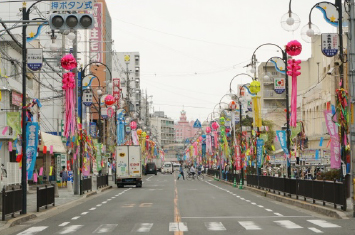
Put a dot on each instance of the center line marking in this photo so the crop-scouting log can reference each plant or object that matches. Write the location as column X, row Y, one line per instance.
column 84, row 213
column 278, row 214
column 94, row 208
column 75, row 218
column 63, row 224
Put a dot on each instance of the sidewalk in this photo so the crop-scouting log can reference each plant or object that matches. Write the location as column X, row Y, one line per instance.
column 65, row 196
column 327, row 210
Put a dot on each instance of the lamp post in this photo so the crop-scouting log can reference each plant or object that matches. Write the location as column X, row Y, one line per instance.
column 288, row 134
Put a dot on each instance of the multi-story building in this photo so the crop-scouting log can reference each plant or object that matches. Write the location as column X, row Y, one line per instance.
column 184, row 129
column 163, row 128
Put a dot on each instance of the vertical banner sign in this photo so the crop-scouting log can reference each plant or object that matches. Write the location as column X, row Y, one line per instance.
column 238, row 158
column 279, row 85
column 93, row 129
column 116, row 90
column 96, row 39
column 35, row 58
column 335, row 161
column 259, row 150
column 281, row 135
column 86, row 165
column 32, row 129
column 98, row 157
column 16, row 98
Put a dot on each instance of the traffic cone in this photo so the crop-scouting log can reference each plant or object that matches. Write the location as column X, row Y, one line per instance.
column 235, row 183
column 240, row 184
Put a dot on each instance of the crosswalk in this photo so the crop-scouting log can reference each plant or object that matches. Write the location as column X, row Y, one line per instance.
column 314, row 225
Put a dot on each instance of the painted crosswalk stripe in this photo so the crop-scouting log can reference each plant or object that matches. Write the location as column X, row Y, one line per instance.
column 63, row 224
column 253, row 203
column 315, row 230
column 178, row 227
column 84, row 213
column 33, row 230
column 215, row 226
column 70, row 229
column 287, row 224
column 105, row 228
column 142, row 228
column 247, row 200
column 249, row 225
column 323, row 224
column 75, row 218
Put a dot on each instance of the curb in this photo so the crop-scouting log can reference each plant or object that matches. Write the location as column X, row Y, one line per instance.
column 106, row 188
column 298, row 203
column 92, row 193
column 21, row 219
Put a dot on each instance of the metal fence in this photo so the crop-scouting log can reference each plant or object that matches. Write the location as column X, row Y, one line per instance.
column 86, row 185
column 325, row 191
column 102, row 181
column 11, row 202
column 230, row 177
column 45, row 196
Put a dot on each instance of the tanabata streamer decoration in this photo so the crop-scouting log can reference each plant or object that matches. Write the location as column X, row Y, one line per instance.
column 254, row 87
column 134, row 133
column 68, row 86
column 68, row 62
column 293, row 70
column 215, row 126
column 257, row 111
column 294, row 48
column 109, row 100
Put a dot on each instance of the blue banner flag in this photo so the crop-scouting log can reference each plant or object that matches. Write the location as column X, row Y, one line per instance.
column 281, row 135
column 32, row 129
column 259, row 150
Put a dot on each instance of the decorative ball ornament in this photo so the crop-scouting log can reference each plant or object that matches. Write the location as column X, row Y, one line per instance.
column 254, row 87
column 208, row 130
column 139, row 132
column 215, row 125
column 109, row 100
column 68, row 62
column 133, row 125
column 68, row 81
column 294, row 48
column 222, row 120
column 200, row 138
column 233, row 105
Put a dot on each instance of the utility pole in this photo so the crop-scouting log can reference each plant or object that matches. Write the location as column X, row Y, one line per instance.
column 127, row 60
column 76, row 171
column 351, row 75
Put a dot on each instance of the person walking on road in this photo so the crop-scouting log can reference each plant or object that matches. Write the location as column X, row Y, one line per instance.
column 181, row 173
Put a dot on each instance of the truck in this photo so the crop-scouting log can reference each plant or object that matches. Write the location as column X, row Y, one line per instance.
column 128, row 166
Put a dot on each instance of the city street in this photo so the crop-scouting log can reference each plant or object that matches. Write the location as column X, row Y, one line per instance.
column 166, row 206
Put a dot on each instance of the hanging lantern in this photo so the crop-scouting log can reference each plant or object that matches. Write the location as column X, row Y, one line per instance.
column 233, row 105
column 133, row 125
column 254, row 87
column 208, row 129
column 109, row 100
column 215, row 125
column 68, row 62
column 294, row 48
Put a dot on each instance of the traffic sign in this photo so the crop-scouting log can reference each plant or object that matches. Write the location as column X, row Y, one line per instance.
column 330, row 44
column 197, row 124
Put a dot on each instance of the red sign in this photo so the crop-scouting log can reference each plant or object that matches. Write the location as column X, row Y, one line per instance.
column 238, row 159
column 116, row 90
column 16, row 99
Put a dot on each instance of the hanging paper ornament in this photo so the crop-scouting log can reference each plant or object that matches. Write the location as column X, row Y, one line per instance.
column 294, row 48
column 293, row 70
column 200, row 138
column 233, row 105
column 68, row 86
column 109, row 100
column 44, row 149
column 208, row 130
column 133, row 125
column 68, row 62
column 254, row 87
column 139, row 132
column 215, row 125
column 222, row 120
column 147, row 137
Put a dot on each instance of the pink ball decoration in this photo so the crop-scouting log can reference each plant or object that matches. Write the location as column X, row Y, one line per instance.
column 133, row 125
column 109, row 100
column 215, row 125
column 200, row 138
column 208, row 129
column 68, row 81
column 68, row 62
column 294, row 48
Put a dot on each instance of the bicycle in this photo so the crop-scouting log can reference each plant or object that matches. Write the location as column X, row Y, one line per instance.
column 190, row 176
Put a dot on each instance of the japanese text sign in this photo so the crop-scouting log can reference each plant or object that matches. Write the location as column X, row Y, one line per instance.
column 72, row 5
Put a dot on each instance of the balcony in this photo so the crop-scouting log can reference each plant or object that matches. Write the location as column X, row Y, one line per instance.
column 271, row 94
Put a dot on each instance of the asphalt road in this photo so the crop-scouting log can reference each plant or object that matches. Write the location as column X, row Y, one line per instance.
column 166, row 206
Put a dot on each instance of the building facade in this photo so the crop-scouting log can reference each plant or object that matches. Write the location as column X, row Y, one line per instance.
column 184, row 129
column 163, row 128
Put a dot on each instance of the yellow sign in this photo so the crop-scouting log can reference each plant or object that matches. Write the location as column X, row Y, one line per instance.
column 127, row 58
column 122, row 154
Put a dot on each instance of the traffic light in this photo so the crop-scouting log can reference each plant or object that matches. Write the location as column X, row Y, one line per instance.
column 71, row 21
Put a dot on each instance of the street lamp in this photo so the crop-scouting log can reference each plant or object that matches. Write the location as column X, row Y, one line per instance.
column 290, row 21
column 288, row 134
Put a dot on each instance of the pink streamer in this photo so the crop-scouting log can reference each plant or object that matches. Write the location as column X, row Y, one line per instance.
column 5, row 129
column 68, row 86
column 215, row 139
column 293, row 71
column 208, row 144
column 135, row 137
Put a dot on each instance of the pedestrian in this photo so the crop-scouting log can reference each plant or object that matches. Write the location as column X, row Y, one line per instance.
column 64, row 175
column 181, row 173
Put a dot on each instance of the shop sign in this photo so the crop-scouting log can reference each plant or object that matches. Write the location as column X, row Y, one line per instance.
column 279, row 85
column 330, row 44
column 34, row 58
column 16, row 99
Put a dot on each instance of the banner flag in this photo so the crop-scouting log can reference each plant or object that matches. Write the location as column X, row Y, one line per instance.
column 32, row 129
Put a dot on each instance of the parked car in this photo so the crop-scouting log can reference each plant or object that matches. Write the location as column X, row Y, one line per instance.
column 150, row 168
column 167, row 168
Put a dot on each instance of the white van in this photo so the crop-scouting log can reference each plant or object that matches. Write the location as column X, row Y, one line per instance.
column 167, row 168
column 176, row 166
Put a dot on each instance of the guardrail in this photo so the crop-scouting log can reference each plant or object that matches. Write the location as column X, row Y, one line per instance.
column 325, row 191
column 230, row 177
column 102, row 181
column 45, row 196
column 86, row 185
column 11, row 202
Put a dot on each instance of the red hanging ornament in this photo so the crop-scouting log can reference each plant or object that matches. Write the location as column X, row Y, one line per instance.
column 68, row 62
column 294, row 48
column 109, row 100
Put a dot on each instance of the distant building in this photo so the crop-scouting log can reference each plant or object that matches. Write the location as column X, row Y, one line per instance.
column 184, row 129
column 162, row 127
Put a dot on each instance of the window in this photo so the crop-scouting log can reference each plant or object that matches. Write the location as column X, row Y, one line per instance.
column 274, row 73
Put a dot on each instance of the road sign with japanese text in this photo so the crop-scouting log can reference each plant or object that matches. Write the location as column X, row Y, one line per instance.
column 330, row 44
column 72, row 5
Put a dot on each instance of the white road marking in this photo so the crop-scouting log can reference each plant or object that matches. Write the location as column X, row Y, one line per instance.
column 242, row 199
column 315, row 230
column 70, row 229
column 238, row 196
column 104, row 202
column 105, row 228
column 33, row 230
column 260, row 206
column 215, row 226
column 75, row 218
column 84, row 213
column 63, row 224
column 113, row 197
column 176, row 227
column 109, row 199
column 323, row 224
column 245, row 217
column 278, row 214
column 247, row 200
column 253, row 203
column 142, row 228
column 99, row 205
column 249, row 225
column 268, row 210
column 287, row 224
column 91, row 209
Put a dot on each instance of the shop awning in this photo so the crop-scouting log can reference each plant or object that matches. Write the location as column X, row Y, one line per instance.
column 54, row 140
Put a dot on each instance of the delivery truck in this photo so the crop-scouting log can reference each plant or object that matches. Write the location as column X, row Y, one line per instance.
column 128, row 166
